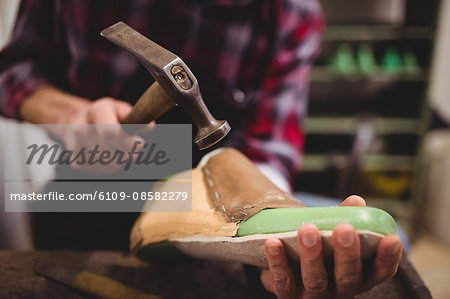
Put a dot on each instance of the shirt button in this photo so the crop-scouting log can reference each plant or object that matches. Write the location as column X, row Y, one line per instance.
column 239, row 96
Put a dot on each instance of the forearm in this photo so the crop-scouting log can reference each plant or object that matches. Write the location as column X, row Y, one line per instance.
column 50, row 105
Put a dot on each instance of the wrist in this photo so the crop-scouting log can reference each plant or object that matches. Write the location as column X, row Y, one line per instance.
column 50, row 105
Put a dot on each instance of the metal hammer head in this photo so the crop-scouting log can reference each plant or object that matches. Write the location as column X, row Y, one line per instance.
column 175, row 79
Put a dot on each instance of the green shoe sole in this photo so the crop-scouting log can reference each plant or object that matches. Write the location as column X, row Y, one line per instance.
column 248, row 245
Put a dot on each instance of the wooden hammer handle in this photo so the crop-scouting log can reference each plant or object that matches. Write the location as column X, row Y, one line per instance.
column 151, row 105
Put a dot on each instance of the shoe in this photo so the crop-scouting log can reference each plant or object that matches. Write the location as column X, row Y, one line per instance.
column 366, row 60
column 343, row 62
column 411, row 65
column 235, row 209
column 392, row 62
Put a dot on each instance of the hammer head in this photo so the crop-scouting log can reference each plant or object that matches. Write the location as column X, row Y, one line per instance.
column 175, row 79
column 210, row 135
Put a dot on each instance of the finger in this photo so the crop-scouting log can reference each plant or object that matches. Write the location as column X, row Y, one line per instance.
column 267, row 280
column 113, row 137
column 284, row 281
column 122, row 109
column 347, row 260
column 353, row 201
column 110, row 111
column 148, row 127
column 386, row 263
column 103, row 111
column 314, row 274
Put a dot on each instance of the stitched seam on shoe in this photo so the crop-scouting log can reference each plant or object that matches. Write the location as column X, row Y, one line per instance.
column 217, row 195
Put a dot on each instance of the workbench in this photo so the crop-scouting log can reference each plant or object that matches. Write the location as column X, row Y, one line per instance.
column 186, row 278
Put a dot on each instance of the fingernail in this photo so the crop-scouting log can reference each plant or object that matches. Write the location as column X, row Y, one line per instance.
column 274, row 250
column 394, row 248
column 346, row 238
column 309, row 238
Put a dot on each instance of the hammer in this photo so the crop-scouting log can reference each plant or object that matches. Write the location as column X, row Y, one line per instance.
column 174, row 84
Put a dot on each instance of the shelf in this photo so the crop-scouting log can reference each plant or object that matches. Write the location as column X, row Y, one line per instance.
column 349, row 125
column 397, row 207
column 370, row 33
column 371, row 162
column 315, row 162
column 324, row 74
column 388, row 162
column 373, row 70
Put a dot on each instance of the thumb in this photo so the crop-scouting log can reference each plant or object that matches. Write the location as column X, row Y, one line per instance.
column 122, row 109
column 353, row 201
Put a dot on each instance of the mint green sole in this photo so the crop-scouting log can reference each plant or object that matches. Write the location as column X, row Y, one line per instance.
column 270, row 221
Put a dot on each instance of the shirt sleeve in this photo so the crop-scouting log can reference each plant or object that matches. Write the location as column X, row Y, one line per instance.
column 273, row 133
column 25, row 61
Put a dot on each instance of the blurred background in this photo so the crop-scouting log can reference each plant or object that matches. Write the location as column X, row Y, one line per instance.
column 379, row 116
column 378, row 123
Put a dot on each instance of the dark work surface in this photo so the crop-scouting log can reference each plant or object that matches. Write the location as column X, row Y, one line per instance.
column 186, row 279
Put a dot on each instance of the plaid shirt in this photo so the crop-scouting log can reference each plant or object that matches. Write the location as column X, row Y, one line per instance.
column 251, row 59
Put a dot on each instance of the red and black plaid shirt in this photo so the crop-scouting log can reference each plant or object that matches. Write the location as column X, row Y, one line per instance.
column 251, row 58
